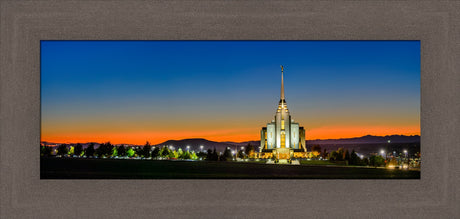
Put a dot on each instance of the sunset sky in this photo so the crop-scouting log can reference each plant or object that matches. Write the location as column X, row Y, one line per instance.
column 137, row 91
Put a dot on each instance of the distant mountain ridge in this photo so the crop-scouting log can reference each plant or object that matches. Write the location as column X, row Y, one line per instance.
column 244, row 143
column 369, row 139
column 195, row 143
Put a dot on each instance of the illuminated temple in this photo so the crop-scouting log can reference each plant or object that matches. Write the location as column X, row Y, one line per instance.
column 282, row 138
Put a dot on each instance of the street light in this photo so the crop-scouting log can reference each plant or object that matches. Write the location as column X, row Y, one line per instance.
column 389, row 141
column 201, row 147
column 188, row 147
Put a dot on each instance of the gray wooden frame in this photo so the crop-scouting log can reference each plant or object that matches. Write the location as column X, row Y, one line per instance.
column 24, row 23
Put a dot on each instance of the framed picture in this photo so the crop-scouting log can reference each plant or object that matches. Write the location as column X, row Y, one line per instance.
column 191, row 110
column 27, row 26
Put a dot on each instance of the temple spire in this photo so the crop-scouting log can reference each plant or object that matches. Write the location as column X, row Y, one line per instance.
column 282, row 83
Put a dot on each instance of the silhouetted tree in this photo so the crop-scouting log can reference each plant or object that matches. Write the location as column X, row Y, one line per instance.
column 78, row 149
column 340, row 154
column 376, row 161
column 90, row 150
column 45, row 150
column 104, row 149
column 202, row 155
column 325, row 154
column 209, row 155
column 155, row 152
column 215, row 156
column 212, row 155
column 365, row 161
column 241, row 154
column 146, row 150
column 109, row 149
column 121, row 151
column 62, row 149
column 333, row 156
column 316, row 148
column 101, row 150
column 138, row 151
column 347, row 155
column 249, row 150
column 227, row 155
column 354, row 159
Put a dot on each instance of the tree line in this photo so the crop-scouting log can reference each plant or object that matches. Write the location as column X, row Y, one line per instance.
column 343, row 155
column 107, row 150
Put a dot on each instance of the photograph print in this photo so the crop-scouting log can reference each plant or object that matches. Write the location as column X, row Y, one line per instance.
column 230, row 110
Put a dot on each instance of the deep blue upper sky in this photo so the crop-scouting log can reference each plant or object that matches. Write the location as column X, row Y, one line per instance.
column 227, row 78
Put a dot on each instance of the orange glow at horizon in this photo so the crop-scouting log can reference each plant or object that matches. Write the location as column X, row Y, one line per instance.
column 235, row 135
column 153, row 137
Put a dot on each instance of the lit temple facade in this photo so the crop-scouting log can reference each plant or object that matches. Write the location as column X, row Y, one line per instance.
column 282, row 138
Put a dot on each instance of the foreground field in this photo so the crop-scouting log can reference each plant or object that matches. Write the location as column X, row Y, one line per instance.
column 65, row 168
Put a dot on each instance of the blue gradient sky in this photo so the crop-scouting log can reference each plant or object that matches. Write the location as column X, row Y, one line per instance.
column 133, row 91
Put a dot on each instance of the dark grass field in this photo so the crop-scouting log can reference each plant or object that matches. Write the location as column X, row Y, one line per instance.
column 68, row 168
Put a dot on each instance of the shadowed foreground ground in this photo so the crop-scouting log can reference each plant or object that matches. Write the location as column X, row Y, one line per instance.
column 67, row 168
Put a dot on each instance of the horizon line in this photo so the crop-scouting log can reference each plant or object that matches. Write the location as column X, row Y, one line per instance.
column 319, row 139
